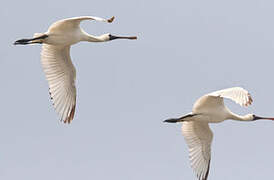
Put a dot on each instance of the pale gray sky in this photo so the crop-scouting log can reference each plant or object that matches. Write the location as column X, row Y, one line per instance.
column 127, row 88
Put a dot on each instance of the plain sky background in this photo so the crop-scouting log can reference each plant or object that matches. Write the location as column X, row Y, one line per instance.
column 127, row 88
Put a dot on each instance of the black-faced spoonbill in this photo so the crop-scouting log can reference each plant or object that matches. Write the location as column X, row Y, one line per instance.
column 210, row 108
column 56, row 61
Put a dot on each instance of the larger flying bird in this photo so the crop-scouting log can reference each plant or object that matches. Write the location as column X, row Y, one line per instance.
column 56, row 61
column 210, row 108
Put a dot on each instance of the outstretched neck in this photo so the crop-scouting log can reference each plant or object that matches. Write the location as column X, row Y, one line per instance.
column 248, row 117
column 103, row 37
column 91, row 38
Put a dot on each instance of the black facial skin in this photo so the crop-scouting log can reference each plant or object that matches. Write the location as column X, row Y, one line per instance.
column 258, row 117
column 111, row 37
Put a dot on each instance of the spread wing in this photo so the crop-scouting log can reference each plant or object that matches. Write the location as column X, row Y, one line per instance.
column 61, row 75
column 215, row 99
column 198, row 137
column 236, row 94
column 75, row 21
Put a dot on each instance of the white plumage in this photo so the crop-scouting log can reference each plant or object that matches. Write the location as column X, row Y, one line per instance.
column 210, row 108
column 198, row 137
column 61, row 75
column 56, row 61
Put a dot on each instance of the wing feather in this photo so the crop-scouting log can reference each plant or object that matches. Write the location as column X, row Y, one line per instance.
column 236, row 94
column 75, row 21
column 215, row 100
column 198, row 137
column 61, row 75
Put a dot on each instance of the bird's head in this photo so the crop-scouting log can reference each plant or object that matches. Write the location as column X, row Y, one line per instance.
column 255, row 117
column 112, row 37
column 249, row 117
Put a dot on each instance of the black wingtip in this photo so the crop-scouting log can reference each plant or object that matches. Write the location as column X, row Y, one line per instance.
column 30, row 41
column 21, row 42
column 171, row 121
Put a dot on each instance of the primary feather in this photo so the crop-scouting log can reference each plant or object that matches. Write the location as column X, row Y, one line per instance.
column 61, row 75
column 198, row 137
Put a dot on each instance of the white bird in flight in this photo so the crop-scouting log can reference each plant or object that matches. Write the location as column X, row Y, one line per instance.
column 210, row 108
column 56, row 61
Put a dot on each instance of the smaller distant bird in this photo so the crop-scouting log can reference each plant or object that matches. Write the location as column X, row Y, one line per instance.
column 56, row 61
column 210, row 108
